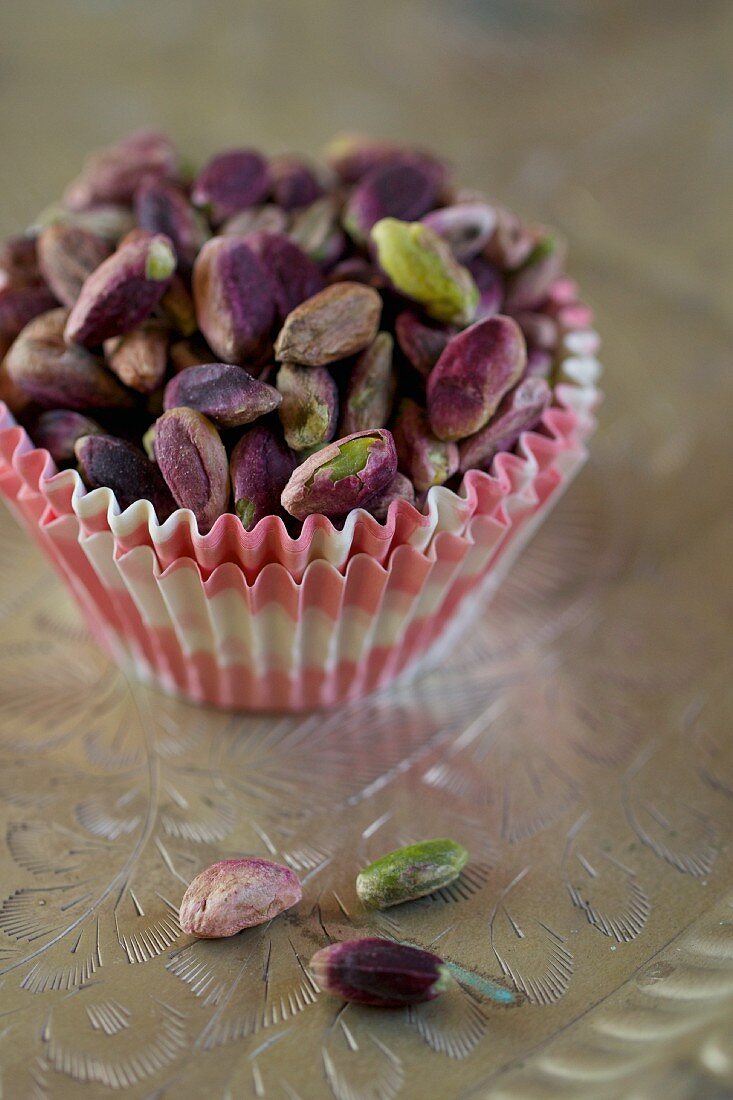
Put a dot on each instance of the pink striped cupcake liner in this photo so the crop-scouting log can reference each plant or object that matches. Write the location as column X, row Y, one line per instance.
column 258, row 620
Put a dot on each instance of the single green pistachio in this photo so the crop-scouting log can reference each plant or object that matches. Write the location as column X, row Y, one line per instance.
column 410, row 872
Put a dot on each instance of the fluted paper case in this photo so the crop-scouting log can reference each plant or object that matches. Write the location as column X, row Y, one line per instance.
column 257, row 620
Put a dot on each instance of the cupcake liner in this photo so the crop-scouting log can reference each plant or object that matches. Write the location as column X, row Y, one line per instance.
column 262, row 621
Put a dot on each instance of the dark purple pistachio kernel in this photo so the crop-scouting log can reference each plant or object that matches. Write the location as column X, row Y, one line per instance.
column 121, row 466
column 477, row 368
column 58, row 430
column 231, row 182
column 67, row 256
column 421, row 343
column 371, row 388
column 18, row 306
column 260, row 468
column 401, row 488
column 490, row 283
column 309, row 409
column 294, row 183
column 162, row 207
column 332, row 325
column 193, row 462
column 342, row 476
column 123, row 291
column 425, row 459
column 294, row 273
column 226, row 394
column 399, row 190
column 57, row 376
column 518, row 412
column 235, row 299
column 466, row 227
column 352, row 156
column 112, row 175
column 380, row 973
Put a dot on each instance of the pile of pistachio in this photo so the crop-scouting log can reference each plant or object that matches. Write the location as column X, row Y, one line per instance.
column 273, row 338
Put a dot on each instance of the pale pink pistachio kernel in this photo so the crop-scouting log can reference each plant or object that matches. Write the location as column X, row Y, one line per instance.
column 234, row 894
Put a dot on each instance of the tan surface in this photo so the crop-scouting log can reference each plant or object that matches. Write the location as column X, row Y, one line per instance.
column 590, row 716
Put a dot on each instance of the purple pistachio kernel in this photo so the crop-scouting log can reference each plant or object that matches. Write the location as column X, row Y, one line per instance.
column 193, row 461
column 421, row 343
column 334, row 324
column 371, row 388
column 125, row 469
column 234, row 894
column 380, row 973
column 231, row 182
column 511, row 242
column 111, row 175
column 490, row 283
column 294, row 183
column 425, row 459
column 529, row 285
column 466, row 227
column 139, row 358
column 540, row 330
column 477, row 368
column 19, row 263
column 123, row 290
column 342, row 476
column 266, row 219
column 539, row 364
column 67, row 256
column 58, row 430
column 399, row 190
column 226, row 394
column 518, row 412
column 161, row 207
column 57, row 376
column 294, row 273
column 401, row 488
column 309, row 410
column 235, row 299
column 260, row 468
column 18, row 306
column 352, row 156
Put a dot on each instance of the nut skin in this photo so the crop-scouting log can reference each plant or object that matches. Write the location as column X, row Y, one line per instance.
column 422, row 267
column 123, row 290
column 235, row 300
column 477, row 368
column 294, row 183
column 401, row 488
column 425, row 459
column 112, row 174
column 410, row 872
column 397, row 190
column 421, row 344
column 67, row 256
column 121, row 466
column 370, row 390
column 234, row 894
column 260, row 467
column 465, row 226
column 193, row 462
column 226, row 394
column 379, row 973
column 18, row 306
column 490, row 283
column 520, row 411
column 333, row 324
column 267, row 219
column 19, row 263
column 57, row 376
column 294, row 273
column 139, row 358
column 342, row 476
column 161, row 207
column 230, row 182
column 309, row 409
column 58, row 430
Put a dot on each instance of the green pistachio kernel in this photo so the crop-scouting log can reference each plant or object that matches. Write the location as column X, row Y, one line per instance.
column 410, row 872
column 245, row 509
column 161, row 261
column 422, row 266
column 352, row 458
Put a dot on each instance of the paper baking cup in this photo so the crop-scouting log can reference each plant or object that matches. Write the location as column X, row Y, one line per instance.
column 261, row 621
